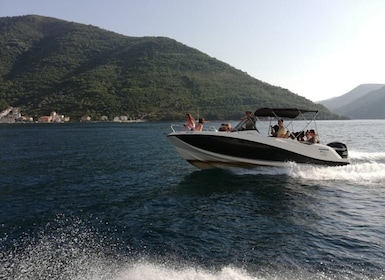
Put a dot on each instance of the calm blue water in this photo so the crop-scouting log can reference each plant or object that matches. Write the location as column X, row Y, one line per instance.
column 116, row 201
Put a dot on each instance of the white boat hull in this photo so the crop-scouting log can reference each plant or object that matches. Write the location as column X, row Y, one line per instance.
column 212, row 149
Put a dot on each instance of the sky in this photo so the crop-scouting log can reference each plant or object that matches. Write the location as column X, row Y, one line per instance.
column 315, row 48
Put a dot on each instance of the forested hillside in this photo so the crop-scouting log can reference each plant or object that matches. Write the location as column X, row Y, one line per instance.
column 54, row 65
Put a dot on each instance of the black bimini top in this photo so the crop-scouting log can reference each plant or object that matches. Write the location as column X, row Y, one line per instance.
column 291, row 113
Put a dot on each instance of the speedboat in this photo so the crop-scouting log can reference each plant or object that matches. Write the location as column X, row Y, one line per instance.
column 248, row 148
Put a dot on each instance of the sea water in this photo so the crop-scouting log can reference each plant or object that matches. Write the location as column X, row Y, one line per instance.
column 116, row 201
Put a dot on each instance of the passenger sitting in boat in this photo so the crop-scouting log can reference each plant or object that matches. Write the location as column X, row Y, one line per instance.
column 311, row 136
column 274, row 130
column 282, row 131
column 225, row 127
column 199, row 126
column 300, row 135
column 190, row 122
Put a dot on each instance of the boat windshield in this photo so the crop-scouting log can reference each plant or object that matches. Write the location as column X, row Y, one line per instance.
column 247, row 124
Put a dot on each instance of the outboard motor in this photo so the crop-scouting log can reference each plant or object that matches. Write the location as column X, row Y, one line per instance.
column 340, row 148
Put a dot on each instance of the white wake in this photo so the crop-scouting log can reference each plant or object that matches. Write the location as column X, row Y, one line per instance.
column 365, row 169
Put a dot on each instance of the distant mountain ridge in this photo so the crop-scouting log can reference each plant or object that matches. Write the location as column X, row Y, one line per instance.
column 75, row 69
column 366, row 101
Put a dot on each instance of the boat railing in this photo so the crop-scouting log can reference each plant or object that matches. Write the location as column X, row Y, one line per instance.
column 180, row 127
column 175, row 127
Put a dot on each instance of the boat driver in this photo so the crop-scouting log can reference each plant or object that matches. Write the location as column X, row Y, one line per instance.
column 249, row 123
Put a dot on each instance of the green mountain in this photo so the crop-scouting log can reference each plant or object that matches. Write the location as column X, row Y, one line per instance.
column 369, row 106
column 363, row 102
column 75, row 69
